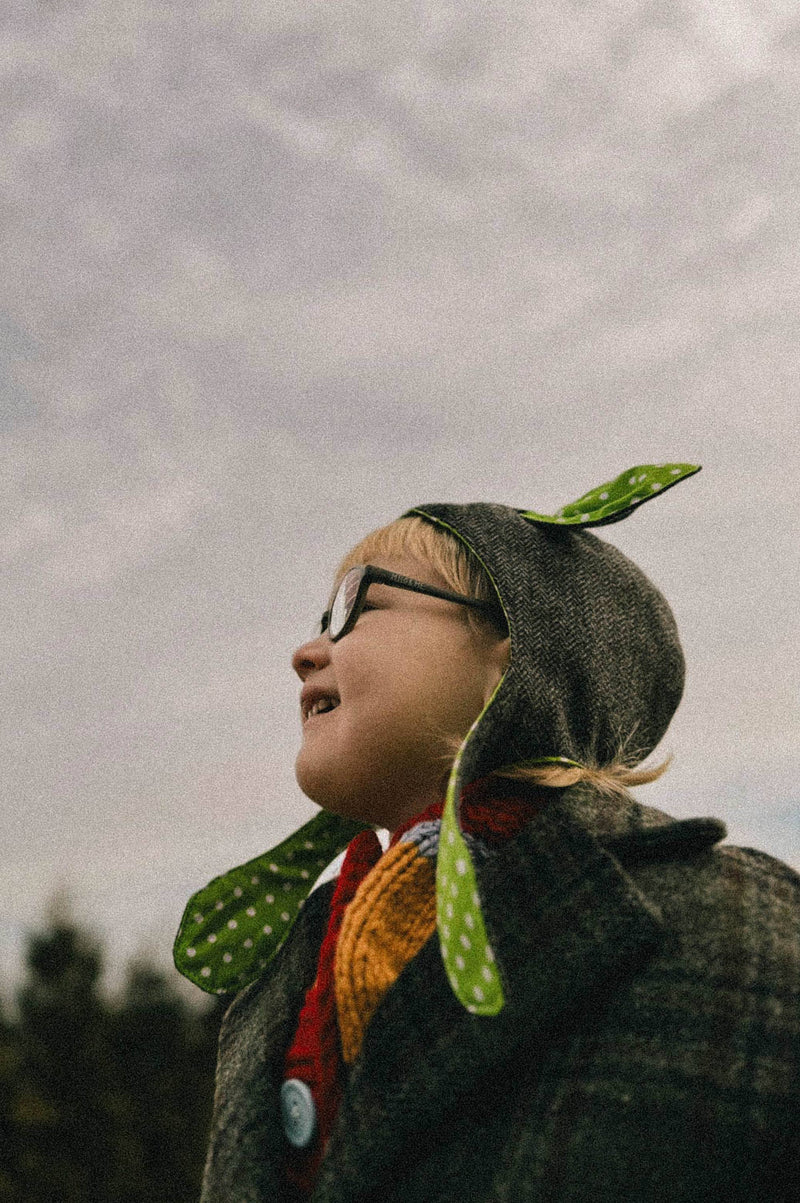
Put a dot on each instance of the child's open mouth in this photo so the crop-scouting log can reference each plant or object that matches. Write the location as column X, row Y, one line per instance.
column 323, row 706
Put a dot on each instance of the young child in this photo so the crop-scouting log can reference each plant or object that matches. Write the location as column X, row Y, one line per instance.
column 542, row 989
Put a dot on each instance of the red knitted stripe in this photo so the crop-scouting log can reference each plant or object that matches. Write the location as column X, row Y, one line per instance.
column 314, row 1054
column 493, row 809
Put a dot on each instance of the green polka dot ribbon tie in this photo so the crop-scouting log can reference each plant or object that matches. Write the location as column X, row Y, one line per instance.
column 467, row 954
column 620, row 497
column 232, row 928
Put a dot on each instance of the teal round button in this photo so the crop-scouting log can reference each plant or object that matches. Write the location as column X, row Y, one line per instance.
column 298, row 1113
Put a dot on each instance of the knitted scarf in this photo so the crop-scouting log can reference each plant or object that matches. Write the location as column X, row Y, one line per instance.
column 382, row 912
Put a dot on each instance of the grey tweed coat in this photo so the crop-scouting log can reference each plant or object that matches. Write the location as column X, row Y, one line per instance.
column 648, row 1050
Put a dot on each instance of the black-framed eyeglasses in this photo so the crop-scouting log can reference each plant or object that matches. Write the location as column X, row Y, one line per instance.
column 352, row 594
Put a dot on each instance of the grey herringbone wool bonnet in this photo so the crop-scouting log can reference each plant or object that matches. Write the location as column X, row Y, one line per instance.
column 596, row 669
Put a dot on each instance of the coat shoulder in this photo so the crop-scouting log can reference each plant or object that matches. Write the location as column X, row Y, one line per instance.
column 722, row 884
column 728, row 975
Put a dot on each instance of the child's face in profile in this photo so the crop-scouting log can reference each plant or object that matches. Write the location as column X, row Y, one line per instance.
column 410, row 673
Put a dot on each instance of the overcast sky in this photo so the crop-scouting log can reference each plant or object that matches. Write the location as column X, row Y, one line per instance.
column 273, row 273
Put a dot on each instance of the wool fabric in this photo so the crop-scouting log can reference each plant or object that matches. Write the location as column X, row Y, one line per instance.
column 649, row 1050
column 382, row 912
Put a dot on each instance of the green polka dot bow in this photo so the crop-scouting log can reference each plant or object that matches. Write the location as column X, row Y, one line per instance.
column 232, row 928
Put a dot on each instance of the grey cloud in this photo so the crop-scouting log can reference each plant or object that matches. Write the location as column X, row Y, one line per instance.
column 272, row 274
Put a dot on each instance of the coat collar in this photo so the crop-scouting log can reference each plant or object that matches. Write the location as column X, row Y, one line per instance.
column 567, row 923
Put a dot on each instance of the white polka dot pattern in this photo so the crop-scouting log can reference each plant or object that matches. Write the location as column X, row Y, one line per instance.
column 615, row 500
column 232, row 928
column 467, row 956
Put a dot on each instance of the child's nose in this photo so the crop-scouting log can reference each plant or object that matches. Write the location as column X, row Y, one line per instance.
column 312, row 655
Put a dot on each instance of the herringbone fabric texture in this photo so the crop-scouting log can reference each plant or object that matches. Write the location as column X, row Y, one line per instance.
column 596, row 662
column 649, row 1051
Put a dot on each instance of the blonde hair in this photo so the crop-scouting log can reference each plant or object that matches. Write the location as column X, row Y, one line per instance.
column 462, row 572
column 446, row 555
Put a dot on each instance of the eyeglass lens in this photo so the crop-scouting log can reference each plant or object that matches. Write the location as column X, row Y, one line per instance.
column 344, row 600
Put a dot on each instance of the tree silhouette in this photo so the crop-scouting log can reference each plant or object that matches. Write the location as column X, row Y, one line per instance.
column 9, row 1065
column 101, row 1101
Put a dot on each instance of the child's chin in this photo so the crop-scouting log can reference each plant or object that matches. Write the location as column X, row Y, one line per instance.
column 316, row 784
column 345, row 806
column 307, row 779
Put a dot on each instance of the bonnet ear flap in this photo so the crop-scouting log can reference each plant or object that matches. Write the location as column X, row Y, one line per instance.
column 468, row 957
column 234, row 926
column 620, row 497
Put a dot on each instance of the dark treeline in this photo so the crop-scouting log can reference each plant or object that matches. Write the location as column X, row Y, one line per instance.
column 102, row 1101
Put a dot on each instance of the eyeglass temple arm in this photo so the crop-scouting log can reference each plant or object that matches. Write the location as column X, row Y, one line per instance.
column 394, row 578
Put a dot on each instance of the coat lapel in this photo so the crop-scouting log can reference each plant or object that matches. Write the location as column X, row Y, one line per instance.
column 247, row 1147
column 567, row 925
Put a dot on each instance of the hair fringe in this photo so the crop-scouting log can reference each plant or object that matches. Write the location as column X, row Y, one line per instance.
column 613, row 780
column 419, row 538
